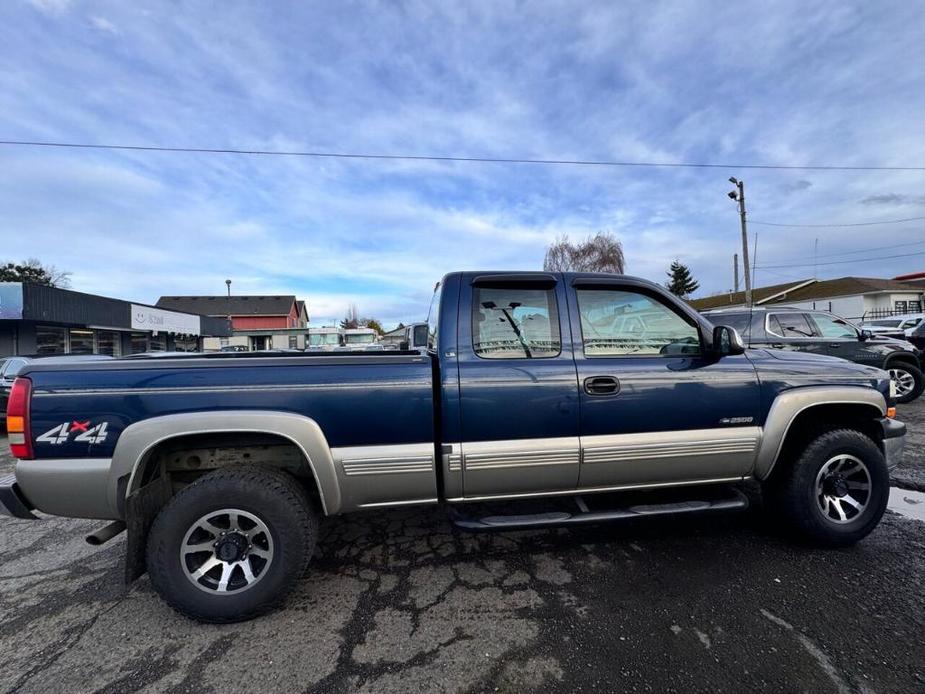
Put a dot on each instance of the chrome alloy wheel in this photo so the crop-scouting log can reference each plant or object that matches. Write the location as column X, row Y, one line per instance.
column 904, row 381
column 843, row 488
column 226, row 551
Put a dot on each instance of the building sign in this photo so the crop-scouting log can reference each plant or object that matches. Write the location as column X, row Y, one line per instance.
column 159, row 320
column 10, row 300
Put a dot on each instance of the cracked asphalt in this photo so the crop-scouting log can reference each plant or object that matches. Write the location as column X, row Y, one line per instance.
column 399, row 601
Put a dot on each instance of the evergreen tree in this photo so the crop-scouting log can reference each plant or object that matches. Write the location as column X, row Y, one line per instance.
column 680, row 281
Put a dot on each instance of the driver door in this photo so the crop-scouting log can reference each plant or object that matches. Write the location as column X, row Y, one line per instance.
column 655, row 409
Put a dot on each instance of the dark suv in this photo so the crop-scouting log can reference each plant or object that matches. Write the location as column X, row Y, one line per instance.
column 820, row 332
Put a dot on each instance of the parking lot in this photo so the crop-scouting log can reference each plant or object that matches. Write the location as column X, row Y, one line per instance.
column 399, row 601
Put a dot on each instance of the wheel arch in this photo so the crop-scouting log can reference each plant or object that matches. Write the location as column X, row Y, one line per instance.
column 142, row 440
column 901, row 357
column 795, row 411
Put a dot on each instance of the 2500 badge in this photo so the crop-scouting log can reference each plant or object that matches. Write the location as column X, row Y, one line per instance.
column 85, row 433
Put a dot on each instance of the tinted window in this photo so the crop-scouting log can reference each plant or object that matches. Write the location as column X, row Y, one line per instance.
column 739, row 321
column 618, row 323
column 49, row 340
column 515, row 323
column 790, row 325
column 833, row 327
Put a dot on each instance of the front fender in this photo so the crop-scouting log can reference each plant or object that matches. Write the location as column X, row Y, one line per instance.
column 790, row 403
column 139, row 439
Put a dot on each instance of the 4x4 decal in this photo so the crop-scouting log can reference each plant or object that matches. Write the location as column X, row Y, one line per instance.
column 85, row 433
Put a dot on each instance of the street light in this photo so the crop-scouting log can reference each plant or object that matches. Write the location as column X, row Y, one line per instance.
column 739, row 196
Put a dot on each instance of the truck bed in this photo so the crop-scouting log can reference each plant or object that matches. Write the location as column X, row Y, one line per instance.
column 357, row 399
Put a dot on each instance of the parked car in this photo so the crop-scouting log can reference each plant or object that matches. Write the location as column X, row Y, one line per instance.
column 545, row 387
column 11, row 366
column 900, row 327
column 820, row 332
column 917, row 336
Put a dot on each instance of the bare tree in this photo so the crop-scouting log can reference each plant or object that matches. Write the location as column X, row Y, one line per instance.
column 32, row 270
column 352, row 319
column 601, row 252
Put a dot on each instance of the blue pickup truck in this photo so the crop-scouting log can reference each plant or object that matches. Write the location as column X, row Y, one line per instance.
column 550, row 391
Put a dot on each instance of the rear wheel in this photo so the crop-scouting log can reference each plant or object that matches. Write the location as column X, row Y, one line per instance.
column 231, row 546
column 835, row 493
column 909, row 381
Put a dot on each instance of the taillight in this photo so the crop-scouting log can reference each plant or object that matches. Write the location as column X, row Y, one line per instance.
column 17, row 419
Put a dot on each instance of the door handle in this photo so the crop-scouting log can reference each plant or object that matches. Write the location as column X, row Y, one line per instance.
column 602, row 385
column 834, row 344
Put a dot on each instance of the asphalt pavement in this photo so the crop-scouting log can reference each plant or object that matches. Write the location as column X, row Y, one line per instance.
column 399, row 601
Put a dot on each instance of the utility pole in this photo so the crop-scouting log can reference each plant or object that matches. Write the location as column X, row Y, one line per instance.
column 735, row 272
column 739, row 196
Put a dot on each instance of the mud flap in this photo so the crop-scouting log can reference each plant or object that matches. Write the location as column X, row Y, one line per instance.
column 140, row 509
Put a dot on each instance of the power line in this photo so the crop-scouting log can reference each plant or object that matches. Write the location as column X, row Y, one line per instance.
column 868, row 250
column 488, row 160
column 854, row 224
column 842, row 262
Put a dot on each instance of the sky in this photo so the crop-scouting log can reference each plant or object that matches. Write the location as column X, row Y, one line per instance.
column 784, row 83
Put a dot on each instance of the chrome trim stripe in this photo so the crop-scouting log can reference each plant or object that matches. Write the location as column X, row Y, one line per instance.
column 525, row 459
column 386, row 466
column 613, row 454
column 617, row 448
column 385, row 460
column 479, row 456
column 371, row 385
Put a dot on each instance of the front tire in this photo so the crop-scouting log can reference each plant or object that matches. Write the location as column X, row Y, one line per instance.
column 909, row 381
column 836, row 492
column 231, row 545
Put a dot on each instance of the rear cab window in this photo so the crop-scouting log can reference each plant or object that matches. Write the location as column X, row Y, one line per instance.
column 515, row 323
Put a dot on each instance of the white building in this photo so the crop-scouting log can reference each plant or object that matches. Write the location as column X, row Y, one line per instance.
column 854, row 298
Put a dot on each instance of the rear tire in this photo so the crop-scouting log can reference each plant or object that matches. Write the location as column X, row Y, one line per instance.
column 231, row 545
column 835, row 493
column 909, row 381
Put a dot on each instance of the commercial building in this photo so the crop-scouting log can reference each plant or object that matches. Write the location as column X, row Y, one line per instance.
column 35, row 319
column 854, row 298
column 257, row 322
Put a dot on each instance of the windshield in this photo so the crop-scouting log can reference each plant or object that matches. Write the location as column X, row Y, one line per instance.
column 317, row 340
column 361, row 339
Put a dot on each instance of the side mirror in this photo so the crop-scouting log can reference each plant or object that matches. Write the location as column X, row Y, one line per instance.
column 726, row 341
column 420, row 336
column 865, row 335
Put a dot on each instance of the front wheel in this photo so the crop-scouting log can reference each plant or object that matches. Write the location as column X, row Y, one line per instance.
column 231, row 545
column 835, row 493
column 909, row 381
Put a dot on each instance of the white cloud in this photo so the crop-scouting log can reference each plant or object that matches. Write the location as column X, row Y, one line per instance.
column 104, row 24
column 53, row 7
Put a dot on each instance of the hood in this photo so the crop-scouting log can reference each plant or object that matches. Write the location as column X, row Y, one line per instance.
column 814, row 366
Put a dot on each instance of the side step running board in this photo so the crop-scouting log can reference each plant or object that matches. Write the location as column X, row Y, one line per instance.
column 736, row 500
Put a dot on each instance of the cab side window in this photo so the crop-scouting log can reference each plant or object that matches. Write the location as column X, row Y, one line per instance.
column 623, row 323
column 789, row 325
column 515, row 323
column 833, row 327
